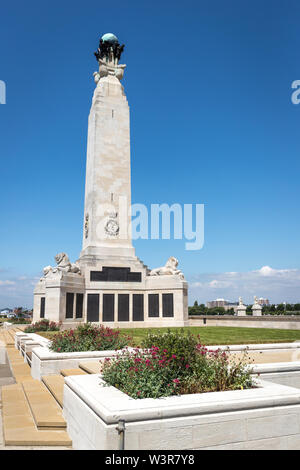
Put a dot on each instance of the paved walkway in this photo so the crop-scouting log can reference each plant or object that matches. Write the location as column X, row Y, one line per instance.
column 6, row 378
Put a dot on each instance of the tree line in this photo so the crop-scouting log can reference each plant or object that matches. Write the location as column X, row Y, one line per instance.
column 280, row 309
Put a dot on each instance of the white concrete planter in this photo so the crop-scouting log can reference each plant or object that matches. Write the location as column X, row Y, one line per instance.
column 284, row 373
column 18, row 336
column 267, row 417
column 24, row 339
column 47, row 362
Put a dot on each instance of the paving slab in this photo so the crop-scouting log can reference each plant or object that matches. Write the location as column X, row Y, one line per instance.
column 55, row 384
column 19, row 428
column 68, row 372
column 91, row 367
column 45, row 409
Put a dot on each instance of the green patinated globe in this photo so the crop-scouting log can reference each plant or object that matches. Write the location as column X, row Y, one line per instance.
column 109, row 37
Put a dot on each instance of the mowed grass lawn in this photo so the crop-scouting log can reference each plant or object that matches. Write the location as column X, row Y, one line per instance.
column 216, row 335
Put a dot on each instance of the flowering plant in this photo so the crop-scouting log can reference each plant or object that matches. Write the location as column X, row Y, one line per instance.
column 185, row 366
column 87, row 337
column 42, row 325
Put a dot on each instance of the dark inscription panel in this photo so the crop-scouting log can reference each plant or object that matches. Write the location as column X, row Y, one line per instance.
column 93, row 307
column 42, row 307
column 108, row 307
column 123, row 307
column 69, row 304
column 153, row 305
column 114, row 274
column 138, row 307
column 79, row 305
column 168, row 307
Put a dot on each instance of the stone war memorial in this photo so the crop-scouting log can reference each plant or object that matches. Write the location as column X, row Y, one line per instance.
column 109, row 284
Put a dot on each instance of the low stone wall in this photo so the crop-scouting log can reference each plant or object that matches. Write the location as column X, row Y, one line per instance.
column 283, row 373
column 266, row 417
column 283, row 322
column 8, row 325
column 46, row 362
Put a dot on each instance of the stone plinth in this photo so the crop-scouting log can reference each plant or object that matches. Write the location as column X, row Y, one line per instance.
column 241, row 311
column 54, row 290
column 257, row 310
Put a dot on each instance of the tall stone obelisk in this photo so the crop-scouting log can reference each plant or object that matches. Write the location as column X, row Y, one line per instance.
column 106, row 231
column 109, row 284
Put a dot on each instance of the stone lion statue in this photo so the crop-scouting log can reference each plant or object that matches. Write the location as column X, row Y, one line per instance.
column 169, row 269
column 62, row 264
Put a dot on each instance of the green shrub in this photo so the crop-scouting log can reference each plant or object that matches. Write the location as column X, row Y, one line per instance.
column 179, row 343
column 87, row 337
column 42, row 325
column 19, row 321
column 173, row 364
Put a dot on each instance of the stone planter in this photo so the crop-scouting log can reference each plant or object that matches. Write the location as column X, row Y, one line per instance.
column 46, row 362
column 284, row 373
column 266, row 417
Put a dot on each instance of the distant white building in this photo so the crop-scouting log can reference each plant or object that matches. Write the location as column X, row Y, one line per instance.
column 217, row 303
column 263, row 301
column 5, row 311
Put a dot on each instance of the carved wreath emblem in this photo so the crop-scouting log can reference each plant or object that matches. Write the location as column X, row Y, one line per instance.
column 112, row 226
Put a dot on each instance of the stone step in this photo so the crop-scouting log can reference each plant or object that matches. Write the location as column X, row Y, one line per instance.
column 68, row 372
column 19, row 428
column 91, row 367
column 20, row 370
column 55, row 385
column 44, row 408
column 7, row 339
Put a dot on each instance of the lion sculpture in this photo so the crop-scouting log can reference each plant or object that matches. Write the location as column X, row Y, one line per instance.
column 62, row 264
column 169, row 269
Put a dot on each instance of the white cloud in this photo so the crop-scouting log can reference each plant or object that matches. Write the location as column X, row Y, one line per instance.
column 17, row 291
column 277, row 285
column 216, row 284
column 268, row 271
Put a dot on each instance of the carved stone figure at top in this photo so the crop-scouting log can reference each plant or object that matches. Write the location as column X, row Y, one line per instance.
column 169, row 269
column 108, row 55
column 63, row 265
column 256, row 300
column 240, row 301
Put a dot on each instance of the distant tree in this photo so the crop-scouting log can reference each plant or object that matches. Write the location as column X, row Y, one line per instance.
column 195, row 303
column 249, row 310
column 297, row 307
column 266, row 309
column 230, row 311
column 280, row 307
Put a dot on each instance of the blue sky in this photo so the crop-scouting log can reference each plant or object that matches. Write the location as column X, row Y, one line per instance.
column 212, row 122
